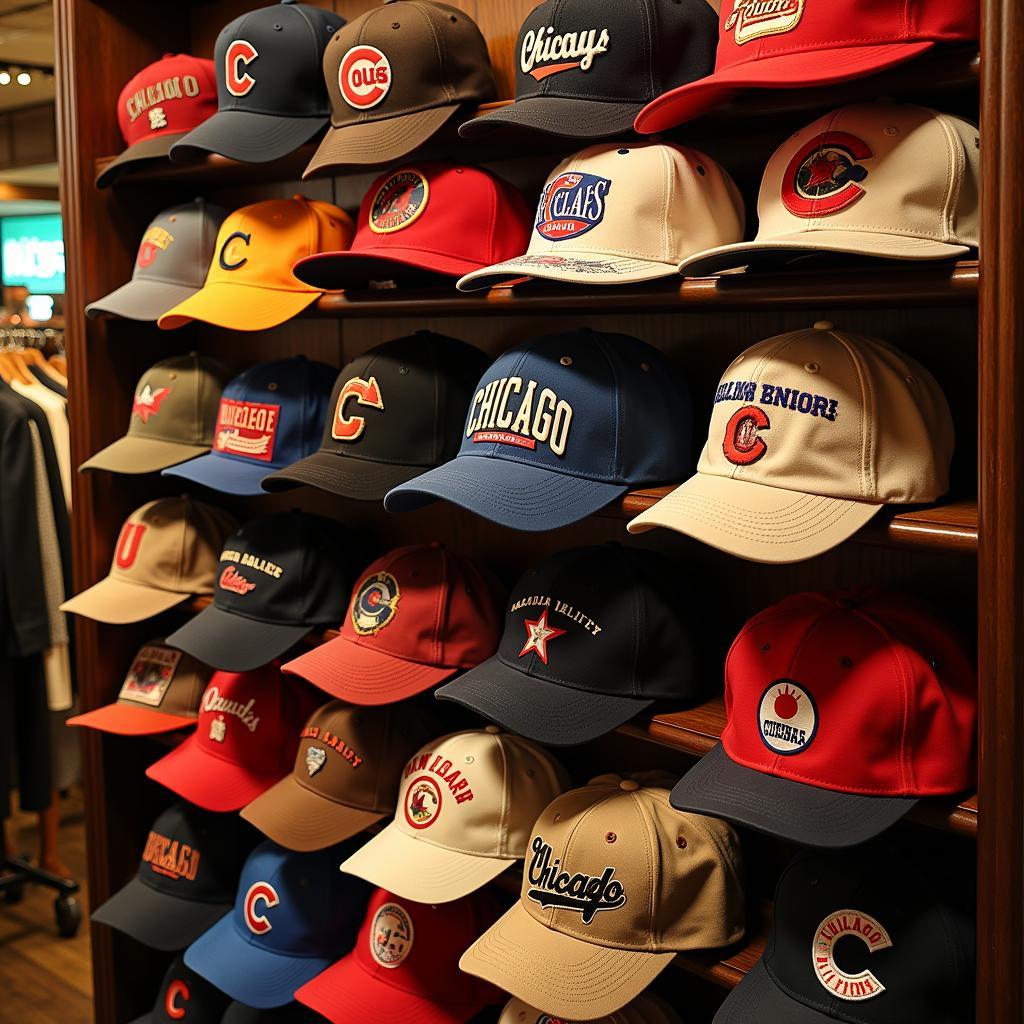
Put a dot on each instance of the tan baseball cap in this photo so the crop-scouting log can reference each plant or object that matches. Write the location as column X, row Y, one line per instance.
column 812, row 432
column 465, row 808
column 167, row 551
column 174, row 413
column 871, row 179
column 618, row 213
column 645, row 1009
column 616, row 883
column 345, row 778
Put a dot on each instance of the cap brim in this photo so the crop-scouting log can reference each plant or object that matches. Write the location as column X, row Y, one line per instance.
column 754, row 521
column 233, row 643
column 154, row 148
column 579, row 268
column 378, row 142
column 806, row 814
column 364, row 676
column 758, row 998
column 156, row 919
column 557, row 716
column 116, row 602
column 128, row 720
column 141, row 300
column 440, row 875
column 559, row 974
column 567, row 118
column 250, row 137
column 786, row 71
column 223, row 473
column 131, row 455
column 299, row 819
column 238, row 307
column 342, row 475
column 356, row 270
column 513, row 494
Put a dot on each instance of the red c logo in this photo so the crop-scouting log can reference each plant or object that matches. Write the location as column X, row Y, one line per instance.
column 365, row 392
column 128, row 544
column 743, row 444
column 259, row 923
column 172, row 1007
column 238, row 81
column 823, row 174
column 364, row 77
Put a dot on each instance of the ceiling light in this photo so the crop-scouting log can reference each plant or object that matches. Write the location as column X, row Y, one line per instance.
column 24, row 78
column 5, row 78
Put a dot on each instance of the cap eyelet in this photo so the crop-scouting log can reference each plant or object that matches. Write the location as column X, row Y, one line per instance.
column 529, row 773
column 470, row 759
column 396, row 24
column 890, row 131
column 700, row 170
column 278, row 28
column 403, row 370
column 611, row 837
column 765, row 648
column 566, row 360
column 172, row 376
column 272, row 386
column 911, row 380
column 846, row 662
column 624, row 152
column 935, row 664
column 645, row 367
column 174, row 219
column 811, row 367
column 681, row 842
column 556, row 819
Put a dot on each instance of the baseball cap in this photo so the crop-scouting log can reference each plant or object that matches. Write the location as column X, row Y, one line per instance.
column 160, row 693
column 800, row 43
column 586, row 68
column 185, row 881
column 616, row 883
column 395, row 76
column 345, row 778
column 269, row 416
column 811, row 433
column 431, row 218
column 173, row 415
column 165, row 553
column 185, row 996
column 290, row 1013
column 647, row 1008
column 546, row 442
column 245, row 740
column 621, row 213
column 270, row 93
column 593, row 636
column 417, row 616
column 873, row 179
column 279, row 577
column 294, row 915
column 843, row 710
column 466, row 806
column 395, row 411
column 865, row 936
column 159, row 105
column 170, row 265
column 250, row 285
column 405, row 965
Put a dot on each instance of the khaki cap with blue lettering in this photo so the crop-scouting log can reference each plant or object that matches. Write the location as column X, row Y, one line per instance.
column 812, row 433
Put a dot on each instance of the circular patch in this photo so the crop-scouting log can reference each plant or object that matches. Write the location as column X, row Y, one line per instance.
column 848, row 986
column 364, row 77
column 375, row 604
column 823, row 176
column 422, row 802
column 391, row 935
column 399, row 201
column 787, row 717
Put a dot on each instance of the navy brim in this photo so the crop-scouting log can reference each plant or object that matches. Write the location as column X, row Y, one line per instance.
column 757, row 998
column 719, row 787
column 246, row 136
column 513, row 494
column 224, row 474
column 342, row 475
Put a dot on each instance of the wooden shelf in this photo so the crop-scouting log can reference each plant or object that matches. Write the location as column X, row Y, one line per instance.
column 727, row 968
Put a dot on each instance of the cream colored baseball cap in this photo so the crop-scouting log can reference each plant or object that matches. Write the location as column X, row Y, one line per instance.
column 618, row 213
column 167, row 551
column 465, row 808
column 645, row 1009
column 871, row 179
column 812, row 432
column 615, row 884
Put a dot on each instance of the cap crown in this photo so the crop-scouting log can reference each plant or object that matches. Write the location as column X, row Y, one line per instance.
column 825, row 412
column 177, row 399
column 894, row 169
column 477, row 792
column 171, row 96
column 179, row 244
column 403, row 57
column 645, row 1009
column 164, row 680
column 185, row 995
column 654, row 879
column 562, row 402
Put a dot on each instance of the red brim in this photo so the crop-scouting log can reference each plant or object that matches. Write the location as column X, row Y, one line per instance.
column 125, row 720
column 352, row 269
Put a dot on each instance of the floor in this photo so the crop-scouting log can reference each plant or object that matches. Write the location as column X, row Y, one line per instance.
column 45, row 979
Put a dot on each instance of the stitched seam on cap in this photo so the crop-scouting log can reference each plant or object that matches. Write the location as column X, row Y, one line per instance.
column 441, row 55
column 668, row 195
column 441, row 601
column 502, row 848
column 616, row 465
column 954, row 154
column 189, row 507
column 868, row 476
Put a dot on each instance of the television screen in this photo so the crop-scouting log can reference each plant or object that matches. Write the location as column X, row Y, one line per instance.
column 32, row 249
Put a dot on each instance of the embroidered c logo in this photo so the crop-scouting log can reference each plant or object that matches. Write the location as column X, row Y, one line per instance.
column 365, row 392
column 229, row 251
column 743, row 444
column 239, row 54
column 258, row 922
column 853, row 988
column 177, row 989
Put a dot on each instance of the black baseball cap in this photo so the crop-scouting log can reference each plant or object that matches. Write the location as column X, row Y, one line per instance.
column 586, row 68
column 865, row 936
column 185, row 997
column 290, row 1013
column 396, row 411
column 593, row 636
column 280, row 576
column 271, row 96
column 186, row 879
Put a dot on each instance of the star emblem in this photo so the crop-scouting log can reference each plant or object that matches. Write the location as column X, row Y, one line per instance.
column 538, row 633
column 822, row 170
column 147, row 402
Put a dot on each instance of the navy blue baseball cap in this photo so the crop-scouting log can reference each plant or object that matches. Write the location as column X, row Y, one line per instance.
column 546, row 441
column 270, row 416
column 294, row 915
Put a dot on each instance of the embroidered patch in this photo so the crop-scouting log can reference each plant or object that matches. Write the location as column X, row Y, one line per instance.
column 571, row 204
column 743, row 444
column 552, row 886
column 177, row 990
column 538, row 633
column 153, row 241
column 787, row 717
column 544, row 54
column 247, row 429
column 316, row 758
column 128, row 544
column 231, row 252
column 257, row 920
column 150, row 675
column 399, row 202
column 240, row 54
column 166, row 856
column 364, row 77
column 234, row 581
column 754, row 19
column 422, row 802
column 391, row 936
column 824, row 175
column 147, row 402
column 520, row 413
column 375, row 603
column 362, row 392
column 852, row 988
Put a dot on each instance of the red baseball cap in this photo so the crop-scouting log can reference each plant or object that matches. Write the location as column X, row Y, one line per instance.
column 785, row 44
column 418, row 616
column 405, row 965
column 158, row 106
column 245, row 741
column 843, row 710
column 442, row 218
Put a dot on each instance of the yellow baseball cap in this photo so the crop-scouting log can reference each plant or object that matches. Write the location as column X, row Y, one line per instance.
column 250, row 285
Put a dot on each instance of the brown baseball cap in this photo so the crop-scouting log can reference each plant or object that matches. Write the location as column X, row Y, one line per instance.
column 167, row 551
column 174, row 414
column 395, row 76
column 160, row 693
column 345, row 778
column 616, row 883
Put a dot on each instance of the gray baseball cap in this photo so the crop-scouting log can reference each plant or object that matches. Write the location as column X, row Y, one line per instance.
column 173, row 258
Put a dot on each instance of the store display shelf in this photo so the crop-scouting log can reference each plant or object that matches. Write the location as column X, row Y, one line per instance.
column 728, row 970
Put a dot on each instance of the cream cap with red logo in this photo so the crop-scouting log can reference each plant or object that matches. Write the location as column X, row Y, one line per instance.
column 812, row 432
column 465, row 808
column 645, row 1009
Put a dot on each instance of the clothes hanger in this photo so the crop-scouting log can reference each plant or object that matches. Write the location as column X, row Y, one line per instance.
column 60, row 364
column 18, row 369
column 33, row 357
